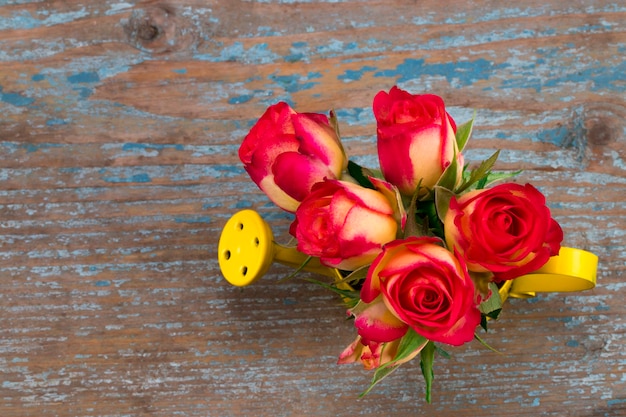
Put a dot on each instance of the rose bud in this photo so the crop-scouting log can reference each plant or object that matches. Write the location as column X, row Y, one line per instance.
column 416, row 139
column 423, row 285
column 506, row 230
column 344, row 224
column 286, row 152
column 374, row 354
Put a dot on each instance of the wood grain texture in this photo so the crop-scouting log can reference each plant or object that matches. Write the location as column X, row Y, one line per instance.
column 119, row 129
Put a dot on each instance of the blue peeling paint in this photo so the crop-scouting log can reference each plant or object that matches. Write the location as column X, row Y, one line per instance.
column 84, row 77
column 20, row 20
column 180, row 70
column 32, row 147
column 607, row 77
column 70, row 170
column 103, row 283
column 356, row 75
column 211, row 205
column 295, row 57
column 572, row 343
column 130, row 147
column 291, row 83
column 141, row 178
column 525, row 82
column 244, row 98
column 194, row 219
column 229, row 169
column 38, row 77
column 463, row 73
column 56, row 122
column 84, row 92
column 241, row 205
column 259, row 54
column 15, row 99
column 559, row 136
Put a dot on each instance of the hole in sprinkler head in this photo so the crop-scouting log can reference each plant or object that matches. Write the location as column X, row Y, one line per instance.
column 227, row 255
column 256, row 241
column 240, row 226
column 244, row 271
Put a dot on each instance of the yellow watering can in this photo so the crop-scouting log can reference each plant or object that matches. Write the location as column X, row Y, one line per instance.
column 246, row 250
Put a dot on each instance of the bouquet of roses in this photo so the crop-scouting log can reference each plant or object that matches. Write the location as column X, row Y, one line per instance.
column 423, row 244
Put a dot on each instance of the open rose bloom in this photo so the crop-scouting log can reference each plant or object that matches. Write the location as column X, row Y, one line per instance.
column 422, row 241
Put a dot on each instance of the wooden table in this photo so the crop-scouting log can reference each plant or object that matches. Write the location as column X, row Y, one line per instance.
column 119, row 133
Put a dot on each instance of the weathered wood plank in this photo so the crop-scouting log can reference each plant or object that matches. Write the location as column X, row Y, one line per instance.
column 119, row 129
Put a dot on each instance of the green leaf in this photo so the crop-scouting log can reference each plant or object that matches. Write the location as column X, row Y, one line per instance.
column 351, row 297
column 360, row 174
column 480, row 172
column 497, row 176
column 493, row 303
column 334, row 123
column 494, row 314
column 409, row 344
column 355, row 276
column 449, row 177
column 443, row 353
column 486, row 345
column 464, row 132
column 442, row 201
column 298, row 269
column 379, row 376
column 412, row 227
column 431, row 224
column 426, row 363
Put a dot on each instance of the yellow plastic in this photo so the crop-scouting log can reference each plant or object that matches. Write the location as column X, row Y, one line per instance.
column 246, row 250
column 504, row 290
column 571, row 270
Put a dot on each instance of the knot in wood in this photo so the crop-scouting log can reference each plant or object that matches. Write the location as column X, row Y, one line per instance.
column 604, row 124
column 157, row 29
column 600, row 133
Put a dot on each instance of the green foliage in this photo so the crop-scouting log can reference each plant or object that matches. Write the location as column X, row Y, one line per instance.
column 492, row 177
column 427, row 360
column 479, row 173
column 412, row 226
column 360, row 174
column 486, row 345
column 350, row 297
column 298, row 269
column 493, row 303
column 442, row 201
column 441, row 352
column 490, row 308
column 409, row 344
column 464, row 132
column 449, row 177
column 334, row 123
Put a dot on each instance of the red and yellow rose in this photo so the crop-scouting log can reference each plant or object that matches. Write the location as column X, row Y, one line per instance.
column 417, row 283
column 506, row 230
column 286, row 152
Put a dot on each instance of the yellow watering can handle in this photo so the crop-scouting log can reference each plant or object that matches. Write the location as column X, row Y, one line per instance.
column 571, row 270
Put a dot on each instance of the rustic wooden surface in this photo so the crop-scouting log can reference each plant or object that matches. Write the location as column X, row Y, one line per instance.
column 119, row 129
